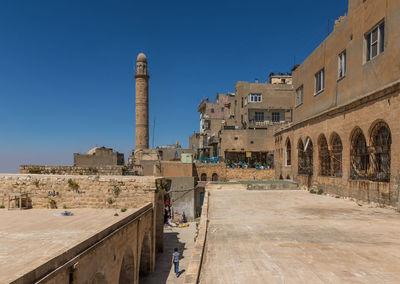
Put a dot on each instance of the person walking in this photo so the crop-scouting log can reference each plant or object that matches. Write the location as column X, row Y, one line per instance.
column 175, row 260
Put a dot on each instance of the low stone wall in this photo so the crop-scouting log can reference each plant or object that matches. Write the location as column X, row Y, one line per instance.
column 192, row 274
column 72, row 170
column 47, row 191
column 222, row 173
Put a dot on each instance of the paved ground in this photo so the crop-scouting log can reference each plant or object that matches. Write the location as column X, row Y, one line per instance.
column 181, row 238
column 296, row 237
column 29, row 238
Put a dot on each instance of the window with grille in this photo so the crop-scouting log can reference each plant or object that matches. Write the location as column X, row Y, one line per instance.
column 255, row 98
column 288, row 153
column 299, row 96
column 259, row 116
column 319, row 81
column 375, row 41
column 324, row 157
column 276, row 117
column 359, row 156
column 381, row 143
column 342, row 65
column 337, row 149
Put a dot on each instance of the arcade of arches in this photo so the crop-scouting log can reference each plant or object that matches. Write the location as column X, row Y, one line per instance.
column 350, row 160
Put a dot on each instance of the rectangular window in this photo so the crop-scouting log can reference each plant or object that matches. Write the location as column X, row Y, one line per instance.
column 276, row 117
column 299, row 96
column 342, row 65
column 259, row 116
column 319, row 81
column 212, row 110
column 375, row 41
column 255, row 98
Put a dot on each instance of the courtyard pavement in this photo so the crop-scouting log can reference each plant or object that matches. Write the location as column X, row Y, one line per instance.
column 181, row 238
column 297, row 237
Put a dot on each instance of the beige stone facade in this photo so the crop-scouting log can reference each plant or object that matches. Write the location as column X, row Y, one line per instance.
column 142, row 103
column 99, row 156
column 344, row 137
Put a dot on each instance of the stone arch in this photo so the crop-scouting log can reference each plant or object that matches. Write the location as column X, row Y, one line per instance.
column 324, row 156
column 301, row 157
column 380, row 149
column 288, row 152
column 203, row 177
column 309, row 155
column 359, row 155
column 127, row 271
column 145, row 255
column 214, row 177
column 336, row 147
column 99, row 278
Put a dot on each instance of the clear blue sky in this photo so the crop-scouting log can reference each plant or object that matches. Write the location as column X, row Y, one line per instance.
column 66, row 66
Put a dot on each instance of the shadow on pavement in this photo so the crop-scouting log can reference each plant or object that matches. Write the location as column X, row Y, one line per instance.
column 164, row 260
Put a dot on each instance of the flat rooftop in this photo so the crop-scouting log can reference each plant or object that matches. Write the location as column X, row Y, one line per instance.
column 30, row 238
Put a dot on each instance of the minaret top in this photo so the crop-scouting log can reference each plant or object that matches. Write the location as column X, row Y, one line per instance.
column 141, row 66
column 141, row 57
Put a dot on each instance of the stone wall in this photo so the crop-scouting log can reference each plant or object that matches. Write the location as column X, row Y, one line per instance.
column 222, row 173
column 71, row 170
column 182, row 194
column 176, row 169
column 80, row 191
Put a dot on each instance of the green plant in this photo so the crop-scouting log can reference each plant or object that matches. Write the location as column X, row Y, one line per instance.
column 116, row 190
column 161, row 184
column 320, row 191
column 123, row 209
column 36, row 182
column 2, row 206
column 34, row 170
column 80, row 173
column 53, row 203
column 110, row 200
column 93, row 170
column 337, row 196
column 73, row 184
column 116, row 214
column 312, row 191
column 65, row 206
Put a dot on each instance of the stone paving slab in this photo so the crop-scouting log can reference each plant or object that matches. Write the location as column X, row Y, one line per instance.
column 296, row 237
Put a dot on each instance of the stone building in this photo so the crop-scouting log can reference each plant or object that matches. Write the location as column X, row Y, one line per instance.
column 99, row 156
column 344, row 138
column 213, row 115
column 240, row 126
column 259, row 109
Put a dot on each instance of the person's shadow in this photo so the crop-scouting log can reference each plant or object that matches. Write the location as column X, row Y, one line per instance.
column 180, row 272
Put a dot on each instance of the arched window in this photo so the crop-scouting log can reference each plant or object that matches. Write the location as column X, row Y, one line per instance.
column 203, row 177
column 359, row 156
column 381, row 141
column 288, row 153
column 336, row 155
column 324, row 157
column 308, row 151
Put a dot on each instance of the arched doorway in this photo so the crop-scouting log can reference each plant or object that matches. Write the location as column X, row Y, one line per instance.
column 288, row 153
column 127, row 272
column 203, row 177
column 214, row 177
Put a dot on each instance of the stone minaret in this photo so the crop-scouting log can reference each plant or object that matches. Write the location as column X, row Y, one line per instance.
column 142, row 103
